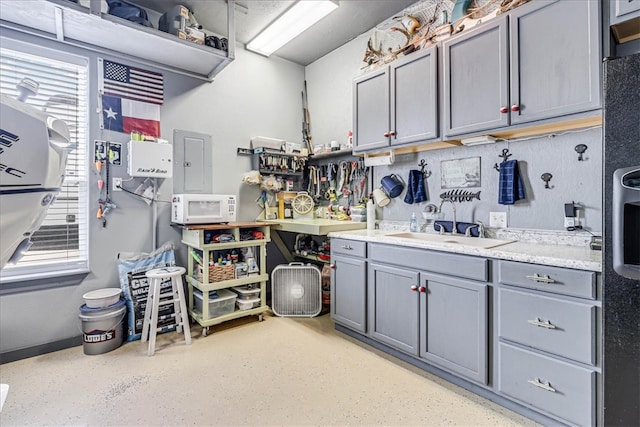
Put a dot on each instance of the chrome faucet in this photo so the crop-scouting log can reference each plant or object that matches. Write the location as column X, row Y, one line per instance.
column 479, row 225
column 453, row 208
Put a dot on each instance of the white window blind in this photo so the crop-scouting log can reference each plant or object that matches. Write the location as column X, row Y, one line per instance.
column 60, row 246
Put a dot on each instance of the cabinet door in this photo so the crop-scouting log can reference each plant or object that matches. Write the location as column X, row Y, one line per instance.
column 623, row 10
column 454, row 324
column 371, row 111
column 476, row 79
column 414, row 98
column 393, row 307
column 348, row 292
column 556, row 71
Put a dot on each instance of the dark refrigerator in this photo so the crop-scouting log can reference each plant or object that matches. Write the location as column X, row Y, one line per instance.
column 621, row 257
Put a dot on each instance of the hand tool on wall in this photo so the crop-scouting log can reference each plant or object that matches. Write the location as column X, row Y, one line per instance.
column 306, row 120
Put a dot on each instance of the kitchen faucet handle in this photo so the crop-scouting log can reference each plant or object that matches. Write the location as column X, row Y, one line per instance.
column 480, row 229
column 467, row 232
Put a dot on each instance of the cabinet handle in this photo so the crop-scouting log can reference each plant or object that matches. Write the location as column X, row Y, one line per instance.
column 504, row 110
column 392, row 133
column 543, row 279
column 422, row 289
column 386, row 134
column 414, row 288
column 332, row 266
column 515, row 107
column 543, row 324
column 347, row 247
column 545, row 386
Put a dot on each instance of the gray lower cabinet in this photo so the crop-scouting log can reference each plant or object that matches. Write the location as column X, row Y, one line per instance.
column 348, row 284
column 398, row 104
column 393, row 306
column 508, row 72
column 547, row 339
column 454, row 321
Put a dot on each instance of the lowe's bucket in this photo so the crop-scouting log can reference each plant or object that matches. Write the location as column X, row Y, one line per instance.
column 102, row 328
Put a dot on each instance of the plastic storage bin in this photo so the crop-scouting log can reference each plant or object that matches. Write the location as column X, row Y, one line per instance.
column 247, row 304
column 224, row 304
column 247, row 292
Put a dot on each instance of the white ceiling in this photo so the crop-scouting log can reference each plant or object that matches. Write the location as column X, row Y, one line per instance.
column 352, row 18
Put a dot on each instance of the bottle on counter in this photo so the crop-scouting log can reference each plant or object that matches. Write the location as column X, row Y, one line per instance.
column 371, row 213
column 413, row 223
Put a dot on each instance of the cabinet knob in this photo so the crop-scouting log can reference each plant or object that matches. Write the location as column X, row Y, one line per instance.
column 332, row 266
column 422, row 289
column 414, row 288
column 386, row 134
column 515, row 107
column 504, row 110
column 392, row 133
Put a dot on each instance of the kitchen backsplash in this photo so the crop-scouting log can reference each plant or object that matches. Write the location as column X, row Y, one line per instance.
column 573, row 180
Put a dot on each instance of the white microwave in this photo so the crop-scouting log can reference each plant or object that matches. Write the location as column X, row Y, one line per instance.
column 203, row 208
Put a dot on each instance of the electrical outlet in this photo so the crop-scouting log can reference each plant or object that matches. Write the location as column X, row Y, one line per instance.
column 117, row 184
column 498, row 219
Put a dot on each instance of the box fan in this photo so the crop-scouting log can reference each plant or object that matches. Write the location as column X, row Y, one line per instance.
column 296, row 290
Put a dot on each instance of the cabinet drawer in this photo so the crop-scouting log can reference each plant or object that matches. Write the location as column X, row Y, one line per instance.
column 570, row 331
column 553, row 386
column 349, row 247
column 469, row 267
column 550, row 279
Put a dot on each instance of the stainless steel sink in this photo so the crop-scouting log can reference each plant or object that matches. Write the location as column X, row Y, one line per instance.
column 452, row 239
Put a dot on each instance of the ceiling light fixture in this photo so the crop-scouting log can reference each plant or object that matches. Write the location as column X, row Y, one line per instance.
column 302, row 15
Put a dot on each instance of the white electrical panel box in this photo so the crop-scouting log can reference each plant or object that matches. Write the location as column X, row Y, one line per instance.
column 150, row 159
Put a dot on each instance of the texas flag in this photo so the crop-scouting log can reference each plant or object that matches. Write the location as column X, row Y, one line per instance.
column 126, row 116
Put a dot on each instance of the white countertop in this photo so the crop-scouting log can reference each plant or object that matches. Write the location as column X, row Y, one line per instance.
column 581, row 258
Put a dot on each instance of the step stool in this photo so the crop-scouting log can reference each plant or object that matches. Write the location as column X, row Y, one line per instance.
column 150, row 325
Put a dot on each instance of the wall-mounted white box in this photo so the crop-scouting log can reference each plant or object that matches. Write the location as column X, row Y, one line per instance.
column 150, row 159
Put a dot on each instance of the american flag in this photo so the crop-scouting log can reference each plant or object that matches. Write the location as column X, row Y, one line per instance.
column 133, row 83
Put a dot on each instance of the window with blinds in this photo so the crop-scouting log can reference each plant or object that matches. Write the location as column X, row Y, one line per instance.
column 60, row 246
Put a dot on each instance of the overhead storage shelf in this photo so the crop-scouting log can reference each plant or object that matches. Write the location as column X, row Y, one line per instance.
column 70, row 23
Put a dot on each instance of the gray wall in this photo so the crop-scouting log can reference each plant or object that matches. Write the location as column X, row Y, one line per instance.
column 330, row 104
column 252, row 96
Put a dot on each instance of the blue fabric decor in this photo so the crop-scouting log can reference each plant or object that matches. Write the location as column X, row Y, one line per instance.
column 510, row 187
column 415, row 188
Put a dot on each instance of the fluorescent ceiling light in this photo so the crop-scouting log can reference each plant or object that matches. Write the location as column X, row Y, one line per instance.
column 290, row 24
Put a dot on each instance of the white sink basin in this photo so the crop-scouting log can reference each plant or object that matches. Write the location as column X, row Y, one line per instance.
column 452, row 239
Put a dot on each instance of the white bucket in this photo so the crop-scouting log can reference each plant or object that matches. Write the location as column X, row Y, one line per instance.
column 102, row 328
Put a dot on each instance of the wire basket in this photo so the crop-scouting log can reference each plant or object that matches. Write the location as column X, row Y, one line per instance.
column 217, row 273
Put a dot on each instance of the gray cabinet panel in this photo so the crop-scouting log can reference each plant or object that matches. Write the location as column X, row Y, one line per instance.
column 623, row 10
column 349, row 247
column 469, row 267
column 556, row 71
column 475, row 79
column 523, row 319
column 553, row 386
column 393, row 307
column 348, row 292
column 556, row 280
column 414, row 115
column 454, row 317
column 371, row 111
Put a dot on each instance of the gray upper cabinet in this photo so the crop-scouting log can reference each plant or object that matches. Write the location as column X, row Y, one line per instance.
column 455, row 324
column 623, row 10
column 475, row 76
column 397, row 104
column 537, row 75
column 393, row 305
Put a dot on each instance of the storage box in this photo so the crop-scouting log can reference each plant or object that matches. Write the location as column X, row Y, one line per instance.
column 247, row 304
column 242, row 270
column 218, row 273
column 224, row 304
column 247, row 292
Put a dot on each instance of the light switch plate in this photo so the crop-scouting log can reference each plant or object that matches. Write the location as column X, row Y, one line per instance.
column 498, row 219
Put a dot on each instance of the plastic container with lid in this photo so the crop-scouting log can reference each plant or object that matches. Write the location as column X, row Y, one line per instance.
column 247, row 304
column 247, row 292
column 224, row 304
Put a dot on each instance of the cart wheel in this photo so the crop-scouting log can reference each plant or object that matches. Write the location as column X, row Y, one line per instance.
column 260, row 318
column 205, row 331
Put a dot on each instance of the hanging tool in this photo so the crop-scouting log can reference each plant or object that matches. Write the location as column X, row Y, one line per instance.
column 306, row 120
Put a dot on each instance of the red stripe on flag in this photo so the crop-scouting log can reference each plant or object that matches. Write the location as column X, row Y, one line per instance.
column 146, row 127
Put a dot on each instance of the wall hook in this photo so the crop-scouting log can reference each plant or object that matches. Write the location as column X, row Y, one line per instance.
column 505, row 156
column 422, row 165
column 580, row 149
column 546, row 177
